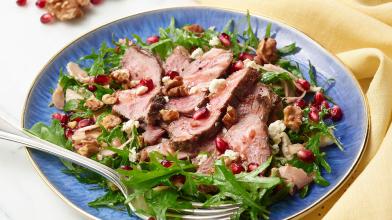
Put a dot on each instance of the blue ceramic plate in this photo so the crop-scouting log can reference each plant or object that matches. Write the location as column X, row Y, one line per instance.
column 352, row 130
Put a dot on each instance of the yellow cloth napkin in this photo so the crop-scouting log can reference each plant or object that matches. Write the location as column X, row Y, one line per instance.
column 359, row 32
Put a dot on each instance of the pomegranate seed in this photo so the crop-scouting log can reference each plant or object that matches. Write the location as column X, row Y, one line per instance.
column 102, row 79
column 225, row 39
column 306, row 156
column 96, row 2
column 152, row 39
column 47, row 18
column 244, row 56
column 151, row 218
column 305, row 85
column 91, row 88
column 147, row 83
column 61, row 117
column 21, row 2
column 85, row 122
column 237, row 66
column 252, row 166
column 336, row 113
column 221, row 145
column 125, row 167
column 178, row 179
column 68, row 133
column 314, row 114
column 300, row 103
column 236, row 168
column 201, row 113
column 325, row 104
column 318, row 98
column 172, row 74
column 166, row 163
column 40, row 3
column 77, row 119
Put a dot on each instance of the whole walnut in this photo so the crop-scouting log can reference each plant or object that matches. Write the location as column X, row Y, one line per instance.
column 67, row 9
column 292, row 117
column 266, row 51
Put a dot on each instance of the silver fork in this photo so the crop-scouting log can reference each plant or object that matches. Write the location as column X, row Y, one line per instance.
column 13, row 133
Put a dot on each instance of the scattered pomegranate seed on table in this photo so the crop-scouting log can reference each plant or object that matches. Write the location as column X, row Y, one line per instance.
column 252, row 167
column 21, row 2
column 243, row 56
column 318, row 98
column 225, row 39
column 172, row 74
column 236, row 168
column 201, row 113
column 306, row 156
column 102, row 79
column 40, row 3
column 336, row 113
column 47, row 18
column 300, row 103
column 147, row 83
column 152, row 39
column 221, row 145
column 166, row 163
column 304, row 84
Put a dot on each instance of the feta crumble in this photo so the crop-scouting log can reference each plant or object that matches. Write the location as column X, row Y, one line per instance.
column 197, row 53
column 134, row 83
column 216, row 85
column 141, row 90
column 165, row 79
column 166, row 98
column 193, row 90
column 214, row 41
column 251, row 64
column 232, row 155
column 201, row 158
column 128, row 126
column 132, row 156
column 275, row 130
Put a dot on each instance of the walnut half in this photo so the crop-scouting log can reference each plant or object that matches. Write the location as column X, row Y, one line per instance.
column 175, row 88
column 110, row 121
column 230, row 117
column 292, row 117
column 169, row 115
column 266, row 51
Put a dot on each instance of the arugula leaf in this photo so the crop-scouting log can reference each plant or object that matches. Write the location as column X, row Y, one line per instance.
column 304, row 191
column 268, row 31
column 312, row 74
column 110, row 199
column 288, row 49
column 249, row 35
column 66, row 81
column 71, row 105
column 53, row 133
column 273, row 77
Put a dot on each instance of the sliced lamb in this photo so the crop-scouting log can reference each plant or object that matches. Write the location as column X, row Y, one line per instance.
column 249, row 136
column 141, row 65
column 152, row 134
column 212, row 65
column 295, row 175
column 178, row 60
column 186, row 130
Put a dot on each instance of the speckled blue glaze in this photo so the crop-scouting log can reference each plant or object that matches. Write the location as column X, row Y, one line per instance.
column 351, row 130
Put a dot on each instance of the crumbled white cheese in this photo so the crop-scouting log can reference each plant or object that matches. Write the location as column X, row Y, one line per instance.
column 132, row 155
column 208, row 106
column 128, row 126
column 193, row 90
column 214, row 41
column 141, row 90
column 165, row 79
column 232, row 155
column 211, row 28
column 201, row 158
column 251, row 64
column 197, row 53
column 224, row 130
column 166, row 98
column 134, row 83
column 196, row 108
column 99, row 157
column 275, row 130
column 216, row 85
column 315, row 89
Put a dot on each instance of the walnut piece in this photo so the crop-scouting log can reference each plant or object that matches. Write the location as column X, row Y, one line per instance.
column 88, row 148
column 67, row 9
column 109, row 99
column 195, row 28
column 120, row 76
column 169, row 115
column 175, row 88
column 292, row 117
column 266, row 51
column 110, row 121
column 230, row 117
column 93, row 103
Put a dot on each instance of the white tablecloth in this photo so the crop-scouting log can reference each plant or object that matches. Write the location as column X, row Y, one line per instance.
column 26, row 46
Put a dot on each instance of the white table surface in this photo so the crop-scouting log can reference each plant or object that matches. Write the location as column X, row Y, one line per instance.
column 26, row 46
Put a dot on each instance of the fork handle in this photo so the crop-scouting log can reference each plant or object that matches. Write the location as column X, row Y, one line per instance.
column 11, row 132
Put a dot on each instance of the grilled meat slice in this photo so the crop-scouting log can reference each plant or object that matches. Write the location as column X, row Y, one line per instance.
column 178, row 61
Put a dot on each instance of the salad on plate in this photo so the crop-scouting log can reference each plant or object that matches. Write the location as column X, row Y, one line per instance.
column 195, row 115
